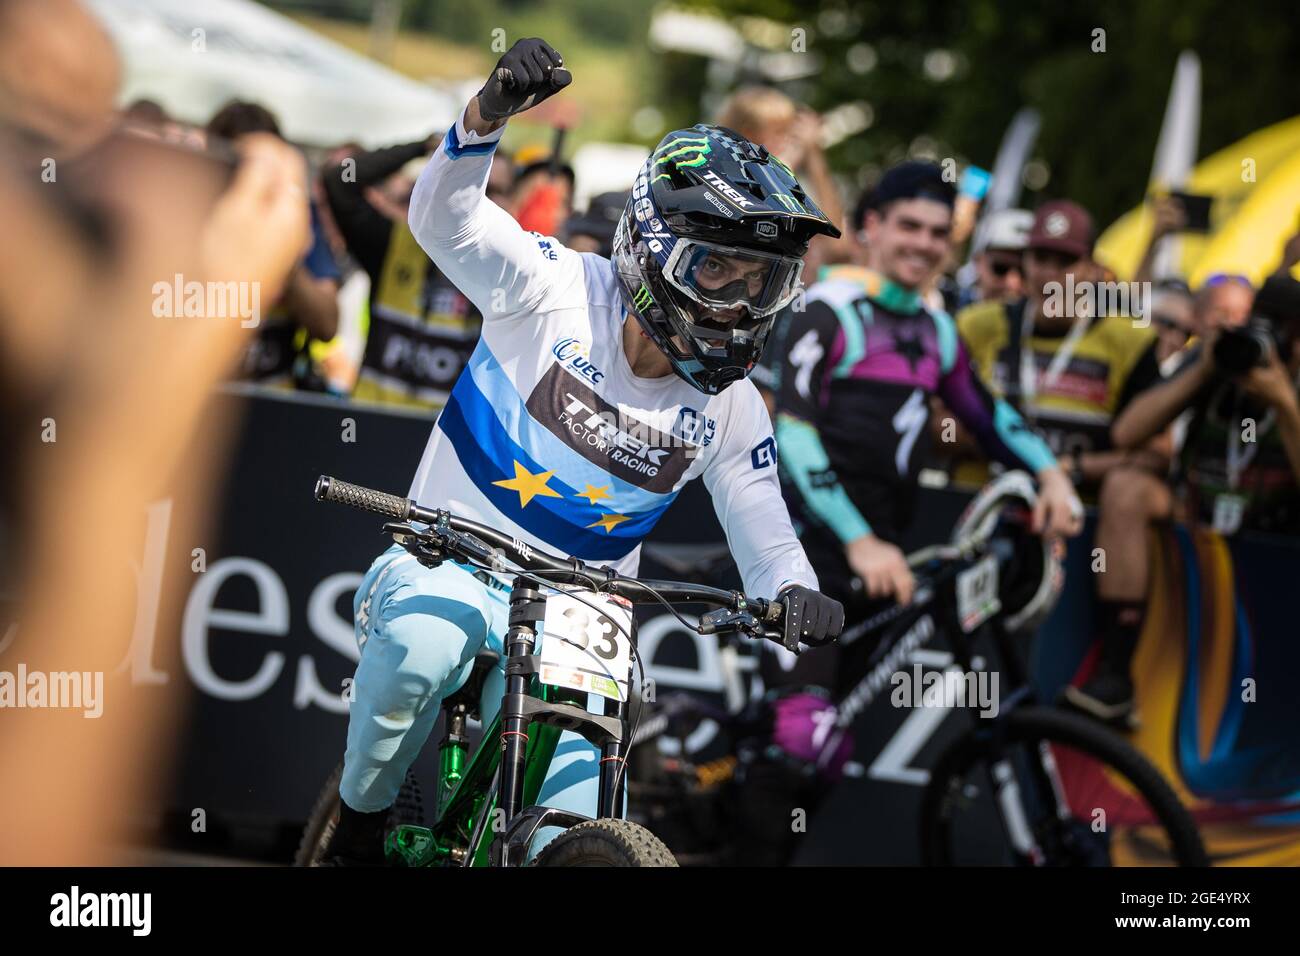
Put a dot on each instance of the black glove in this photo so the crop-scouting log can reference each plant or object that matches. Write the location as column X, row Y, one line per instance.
column 528, row 73
column 810, row 617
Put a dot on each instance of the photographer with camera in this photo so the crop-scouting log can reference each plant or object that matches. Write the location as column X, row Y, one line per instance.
column 1240, row 460
column 1238, row 465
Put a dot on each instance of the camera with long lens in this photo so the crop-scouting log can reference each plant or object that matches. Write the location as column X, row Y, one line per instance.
column 1240, row 349
column 1274, row 317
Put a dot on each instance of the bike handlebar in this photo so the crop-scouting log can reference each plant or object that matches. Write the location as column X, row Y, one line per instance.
column 484, row 544
column 950, row 558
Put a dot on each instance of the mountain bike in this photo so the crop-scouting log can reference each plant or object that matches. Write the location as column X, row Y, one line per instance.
column 571, row 634
column 1031, row 785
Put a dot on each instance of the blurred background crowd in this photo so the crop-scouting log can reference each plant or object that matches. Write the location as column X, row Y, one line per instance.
column 277, row 144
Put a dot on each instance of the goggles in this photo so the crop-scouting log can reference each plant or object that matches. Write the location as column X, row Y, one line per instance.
column 725, row 277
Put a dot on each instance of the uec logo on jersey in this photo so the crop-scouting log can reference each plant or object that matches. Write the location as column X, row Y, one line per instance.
column 577, row 358
column 764, row 453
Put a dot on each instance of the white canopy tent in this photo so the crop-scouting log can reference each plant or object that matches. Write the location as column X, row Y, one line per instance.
column 193, row 57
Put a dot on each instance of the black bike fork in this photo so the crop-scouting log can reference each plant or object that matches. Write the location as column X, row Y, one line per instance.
column 527, row 606
column 612, row 781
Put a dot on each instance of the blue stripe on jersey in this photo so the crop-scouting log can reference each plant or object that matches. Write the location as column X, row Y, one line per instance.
column 488, row 454
column 541, row 444
column 455, row 150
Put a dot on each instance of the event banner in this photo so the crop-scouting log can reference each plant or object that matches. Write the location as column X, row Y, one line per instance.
column 1213, row 667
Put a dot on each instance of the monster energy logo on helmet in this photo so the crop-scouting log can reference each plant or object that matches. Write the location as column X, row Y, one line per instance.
column 684, row 151
column 643, row 299
column 788, row 201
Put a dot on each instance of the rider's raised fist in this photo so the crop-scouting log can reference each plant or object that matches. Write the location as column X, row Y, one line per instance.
column 528, row 73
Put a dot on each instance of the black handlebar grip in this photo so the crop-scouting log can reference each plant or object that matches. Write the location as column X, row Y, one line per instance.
column 367, row 499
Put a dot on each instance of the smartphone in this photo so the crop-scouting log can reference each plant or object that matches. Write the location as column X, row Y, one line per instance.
column 1197, row 210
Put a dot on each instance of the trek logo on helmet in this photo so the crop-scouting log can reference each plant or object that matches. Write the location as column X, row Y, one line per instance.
column 724, row 187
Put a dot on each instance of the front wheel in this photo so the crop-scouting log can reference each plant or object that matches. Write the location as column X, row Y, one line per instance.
column 1067, row 791
column 606, row 842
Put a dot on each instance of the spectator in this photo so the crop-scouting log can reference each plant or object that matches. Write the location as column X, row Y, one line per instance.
column 766, row 374
column 542, row 196
column 1223, row 301
column 1173, row 314
column 308, row 307
column 1222, row 382
column 593, row 230
column 1239, row 463
column 127, row 390
column 999, row 255
column 421, row 328
column 1070, row 372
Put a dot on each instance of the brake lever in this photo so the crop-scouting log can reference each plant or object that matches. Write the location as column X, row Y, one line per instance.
column 726, row 621
column 427, row 547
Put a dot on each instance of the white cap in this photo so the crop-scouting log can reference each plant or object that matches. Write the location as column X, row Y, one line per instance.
column 1004, row 229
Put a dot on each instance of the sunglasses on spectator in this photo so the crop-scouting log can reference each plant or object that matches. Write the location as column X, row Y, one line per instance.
column 1000, row 267
column 1053, row 257
column 1170, row 325
column 1224, row 278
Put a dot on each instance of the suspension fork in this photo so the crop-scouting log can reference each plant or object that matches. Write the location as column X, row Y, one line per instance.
column 613, row 756
column 527, row 607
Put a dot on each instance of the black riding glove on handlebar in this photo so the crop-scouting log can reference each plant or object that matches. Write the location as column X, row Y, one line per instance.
column 810, row 617
column 528, row 73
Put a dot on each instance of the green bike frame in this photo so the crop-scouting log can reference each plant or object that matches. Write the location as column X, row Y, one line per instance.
column 487, row 809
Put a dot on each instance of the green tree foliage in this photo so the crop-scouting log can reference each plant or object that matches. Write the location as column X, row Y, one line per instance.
column 1101, row 110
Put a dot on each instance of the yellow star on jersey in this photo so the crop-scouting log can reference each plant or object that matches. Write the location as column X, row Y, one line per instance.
column 607, row 522
column 529, row 485
column 594, row 494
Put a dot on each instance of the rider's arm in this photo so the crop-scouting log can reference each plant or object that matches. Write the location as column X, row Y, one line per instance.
column 810, row 343
column 502, row 269
column 999, row 429
column 746, row 494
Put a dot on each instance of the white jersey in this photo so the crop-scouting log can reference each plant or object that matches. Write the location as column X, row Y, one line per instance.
column 548, row 435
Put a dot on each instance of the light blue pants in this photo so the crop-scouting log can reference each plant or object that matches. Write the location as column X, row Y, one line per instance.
column 419, row 630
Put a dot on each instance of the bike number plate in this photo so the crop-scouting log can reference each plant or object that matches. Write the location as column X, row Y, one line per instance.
column 585, row 644
column 977, row 594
